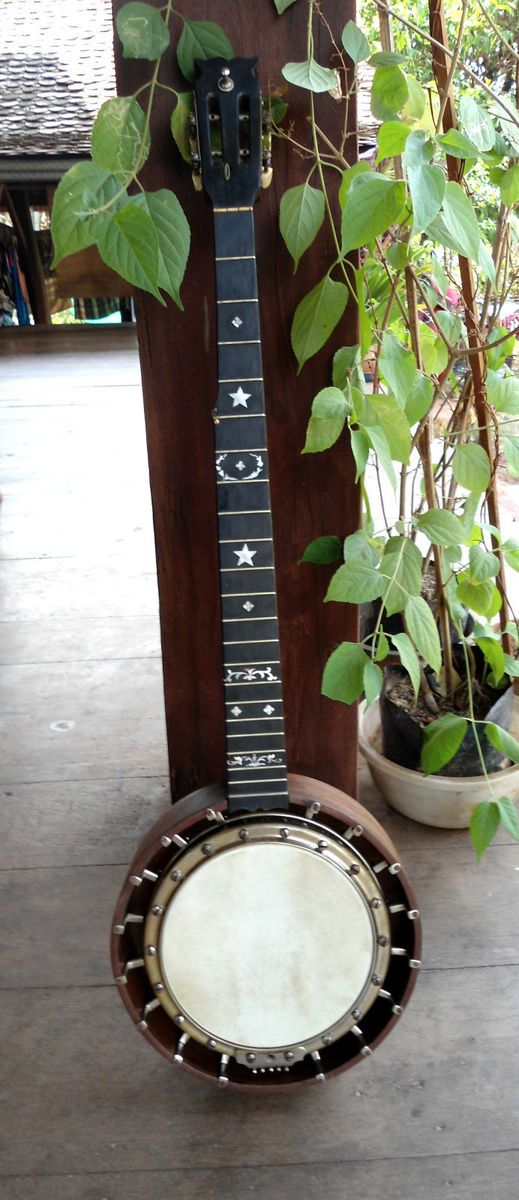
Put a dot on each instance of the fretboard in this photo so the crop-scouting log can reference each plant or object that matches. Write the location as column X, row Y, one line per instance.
column 256, row 759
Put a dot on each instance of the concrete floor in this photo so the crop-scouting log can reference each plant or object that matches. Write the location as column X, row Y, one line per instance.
column 88, row 1112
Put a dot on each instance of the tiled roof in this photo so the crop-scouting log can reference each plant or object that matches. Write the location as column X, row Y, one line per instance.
column 56, row 69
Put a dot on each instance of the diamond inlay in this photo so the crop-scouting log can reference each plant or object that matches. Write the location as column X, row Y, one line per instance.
column 236, row 711
column 248, row 606
column 236, row 321
column 269, row 710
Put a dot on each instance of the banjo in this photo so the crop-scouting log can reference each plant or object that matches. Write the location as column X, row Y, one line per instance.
column 266, row 934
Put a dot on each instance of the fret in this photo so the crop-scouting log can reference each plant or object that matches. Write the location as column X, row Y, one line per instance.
column 230, row 541
column 240, row 300
column 239, row 482
column 251, row 642
column 233, row 620
column 241, row 379
column 267, row 795
column 247, row 683
column 232, row 257
column 241, row 512
column 238, row 416
column 264, row 734
column 234, row 208
column 240, row 595
column 242, row 342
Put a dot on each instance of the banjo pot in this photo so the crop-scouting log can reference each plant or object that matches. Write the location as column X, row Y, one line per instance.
column 266, row 934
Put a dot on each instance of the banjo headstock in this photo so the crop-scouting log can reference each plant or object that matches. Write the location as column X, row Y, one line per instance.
column 231, row 152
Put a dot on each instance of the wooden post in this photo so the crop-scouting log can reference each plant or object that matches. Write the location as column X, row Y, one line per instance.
column 311, row 495
column 18, row 206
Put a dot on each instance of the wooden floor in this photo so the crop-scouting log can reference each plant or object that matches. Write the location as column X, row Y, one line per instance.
column 89, row 1112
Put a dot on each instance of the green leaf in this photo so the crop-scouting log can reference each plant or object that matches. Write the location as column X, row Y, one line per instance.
column 494, row 656
column 201, row 39
column 419, row 399
column 481, row 596
column 509, row 817
column 355, row 583
column 422, row 630
column 389, row 92
column 345, row 361
column 351, row 173
column 399, row 255
column 74, row 225
column 386, row 58
column 120, row 137
column 457, row 144
column 501, row 740
column 129, row 244
column 441, row 741
column 382, row 646
column 408, row 657
column 372, row 682
column 179, row 123
column 461, row 220
column 486, row 263
column 442, row 528
column 416, row 102
column 390, row 416
column 360, row 451
column 397, row 366
column 511, row 552
column 503, row 392
column 372, row 204
column 509, row 186
column 476, row 123
column 323, row 550
column 511, row 452
column 482, row 563
column 402, row 562
column 142, row 31
column 173, row 236
column 310, row 75
column 511, row 666
column 354, row 42
column 315, row 318
column 380, row 445
column 343, row 677
column 496, row 355
column 358, row 546
column 484, row 823
column 282, row 5
column 329, row 412
column 419, row 149
column 391, row 139
column 301, row 215
column 434, row 352
column 427, row 187
column 471, row 467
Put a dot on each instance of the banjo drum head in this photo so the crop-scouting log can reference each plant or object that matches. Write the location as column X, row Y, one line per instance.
column 267, row 949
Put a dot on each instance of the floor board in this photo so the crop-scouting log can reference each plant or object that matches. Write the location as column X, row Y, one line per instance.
column 87, row 1110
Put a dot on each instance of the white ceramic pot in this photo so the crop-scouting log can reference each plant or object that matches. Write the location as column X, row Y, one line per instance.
column 431, row 799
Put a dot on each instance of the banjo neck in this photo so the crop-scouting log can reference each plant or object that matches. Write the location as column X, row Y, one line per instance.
column 228, row 124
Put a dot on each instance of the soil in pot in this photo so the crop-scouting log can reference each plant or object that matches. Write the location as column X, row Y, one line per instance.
column 403, row 721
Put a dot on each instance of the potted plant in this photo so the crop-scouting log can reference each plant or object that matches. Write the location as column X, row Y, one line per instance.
column 428, row 401
column 425, row 240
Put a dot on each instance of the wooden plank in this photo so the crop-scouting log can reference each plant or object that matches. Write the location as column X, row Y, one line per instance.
column 462, row 1176
column 87, row 720
column 102, row 1092
column 87, row 821
column 85, row 274
column 309, row 498
column 79, row 639
column 67, row 587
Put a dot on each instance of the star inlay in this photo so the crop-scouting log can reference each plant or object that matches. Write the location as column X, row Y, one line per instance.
column 245, row 556
column 240, row 398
